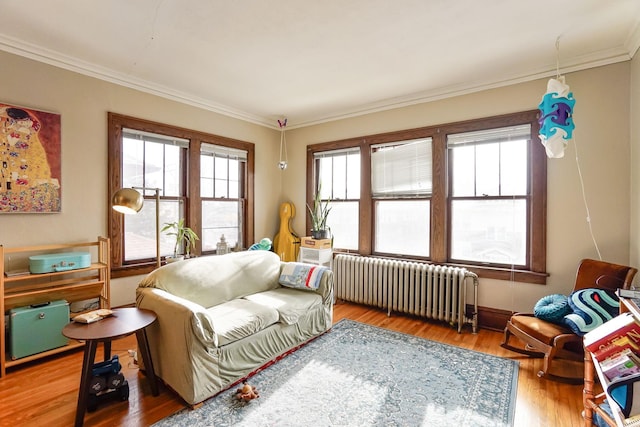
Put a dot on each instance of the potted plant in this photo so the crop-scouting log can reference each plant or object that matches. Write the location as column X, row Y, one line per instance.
column 185, row 237
column 319, row 214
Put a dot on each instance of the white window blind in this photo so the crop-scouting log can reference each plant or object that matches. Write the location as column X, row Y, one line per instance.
column 511, row 133
column 402, row 168
column 155, row 137
column 218, row 150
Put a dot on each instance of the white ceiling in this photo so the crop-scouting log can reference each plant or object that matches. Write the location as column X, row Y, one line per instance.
column 316, row 61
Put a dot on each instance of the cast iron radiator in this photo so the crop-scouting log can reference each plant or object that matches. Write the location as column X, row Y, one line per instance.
column 432, row 291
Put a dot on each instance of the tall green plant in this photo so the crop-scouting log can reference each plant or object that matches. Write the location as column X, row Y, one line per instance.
column 185, row 236
column 319, row 213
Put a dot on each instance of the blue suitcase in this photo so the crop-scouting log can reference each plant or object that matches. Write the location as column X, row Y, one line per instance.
column 50, row 263
column 37, row 328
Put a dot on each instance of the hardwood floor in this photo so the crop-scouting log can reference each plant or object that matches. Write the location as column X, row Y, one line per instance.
column 45, row 393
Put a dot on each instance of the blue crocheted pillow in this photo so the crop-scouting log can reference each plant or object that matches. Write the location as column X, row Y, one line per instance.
column 552, row 308
column 591, row 308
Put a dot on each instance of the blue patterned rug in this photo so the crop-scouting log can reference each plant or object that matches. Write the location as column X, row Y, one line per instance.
column 362, row 375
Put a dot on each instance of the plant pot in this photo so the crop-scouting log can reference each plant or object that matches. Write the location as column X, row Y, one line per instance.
column 171, row 259
column 320, row 234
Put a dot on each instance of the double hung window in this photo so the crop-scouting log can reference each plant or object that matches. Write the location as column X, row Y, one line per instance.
column 401, row 189
column 489, row 195
column 338, row 176
column 152, row 161
column 222, row 172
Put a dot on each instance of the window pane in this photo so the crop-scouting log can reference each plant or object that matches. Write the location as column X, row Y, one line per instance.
column 487, row 170
column 234, row 176
column 402, row 168
column 172, row 171
column 402, row 227
column 140, row 229
column 339, row 177
column 513, row 168
column 353, row 176
column 132, row 162
column 218, row 218
column 492, row 231
column 464, row 171
column 343, row 221
column 153, row 165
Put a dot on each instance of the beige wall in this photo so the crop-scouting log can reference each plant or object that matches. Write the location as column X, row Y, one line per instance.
column 603, row 129
column 602, row 138
column 635, row 162
column 83, row 103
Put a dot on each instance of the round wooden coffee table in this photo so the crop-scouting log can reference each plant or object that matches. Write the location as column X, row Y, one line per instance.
column 123, row 322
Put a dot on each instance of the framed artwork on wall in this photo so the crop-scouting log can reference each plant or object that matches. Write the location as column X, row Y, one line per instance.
column 30, row 157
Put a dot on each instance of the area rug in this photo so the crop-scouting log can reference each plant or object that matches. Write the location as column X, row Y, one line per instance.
column 362, row 375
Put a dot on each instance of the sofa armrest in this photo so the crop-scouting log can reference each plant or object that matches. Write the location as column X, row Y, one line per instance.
column 326, row 287
column 178, row 316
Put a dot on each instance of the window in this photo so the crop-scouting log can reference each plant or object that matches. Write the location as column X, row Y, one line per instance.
column 339, row 179
column 401, row 190
column 222, row 171
column 470, row 193
column 203, row 178
column 488, row 195
column 152, row 161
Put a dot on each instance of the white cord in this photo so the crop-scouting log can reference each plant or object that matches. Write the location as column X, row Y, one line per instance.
column 558, row 58
column 584, row 199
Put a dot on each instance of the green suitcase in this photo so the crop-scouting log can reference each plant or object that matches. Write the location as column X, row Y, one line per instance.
column 37, row 328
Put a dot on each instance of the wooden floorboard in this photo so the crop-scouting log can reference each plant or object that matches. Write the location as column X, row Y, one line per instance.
column 44, row 393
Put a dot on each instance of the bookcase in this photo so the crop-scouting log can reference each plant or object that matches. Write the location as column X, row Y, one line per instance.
column 20, row 288
column 592, row 397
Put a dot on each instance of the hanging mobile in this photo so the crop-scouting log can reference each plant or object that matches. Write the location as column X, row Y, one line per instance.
column 283, row 145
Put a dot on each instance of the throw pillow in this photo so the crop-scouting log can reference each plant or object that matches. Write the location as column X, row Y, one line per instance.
column 301, row 276
column 590, row 308
column 552, row 308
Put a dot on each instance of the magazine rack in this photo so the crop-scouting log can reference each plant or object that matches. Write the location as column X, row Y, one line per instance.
column 591, row 400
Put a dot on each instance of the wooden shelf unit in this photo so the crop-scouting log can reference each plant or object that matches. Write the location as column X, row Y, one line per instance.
column 71, row 285
column 592, row 372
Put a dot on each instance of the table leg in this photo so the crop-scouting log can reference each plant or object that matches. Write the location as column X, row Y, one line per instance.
column 143, row 343
column 107, row 350
column 85, row 379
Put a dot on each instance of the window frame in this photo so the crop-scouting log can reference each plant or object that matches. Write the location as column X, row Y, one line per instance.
column 534, row 272
column 193, row 202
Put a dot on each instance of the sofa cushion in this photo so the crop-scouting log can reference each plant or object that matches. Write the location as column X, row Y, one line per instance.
column 239, row 318
column 211, row 280
column 290, row 303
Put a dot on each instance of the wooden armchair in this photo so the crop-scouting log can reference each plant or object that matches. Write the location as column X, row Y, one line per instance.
column 550, row 340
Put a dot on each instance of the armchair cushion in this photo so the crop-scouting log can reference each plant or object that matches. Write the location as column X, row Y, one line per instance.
column 590, row 308
column 539, row 329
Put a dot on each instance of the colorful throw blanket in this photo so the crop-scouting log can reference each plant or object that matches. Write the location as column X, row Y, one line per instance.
column 301, row 276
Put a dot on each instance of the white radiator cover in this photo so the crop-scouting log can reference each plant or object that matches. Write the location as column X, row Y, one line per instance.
column 427, row 290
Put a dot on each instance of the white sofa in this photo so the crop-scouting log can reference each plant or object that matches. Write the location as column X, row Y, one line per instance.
column 221, row 317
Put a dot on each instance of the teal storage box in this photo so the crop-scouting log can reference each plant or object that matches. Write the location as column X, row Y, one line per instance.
column 37, row 328
column 50, row 263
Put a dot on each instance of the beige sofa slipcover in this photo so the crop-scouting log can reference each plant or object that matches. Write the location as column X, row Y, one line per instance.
column 221, row 317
